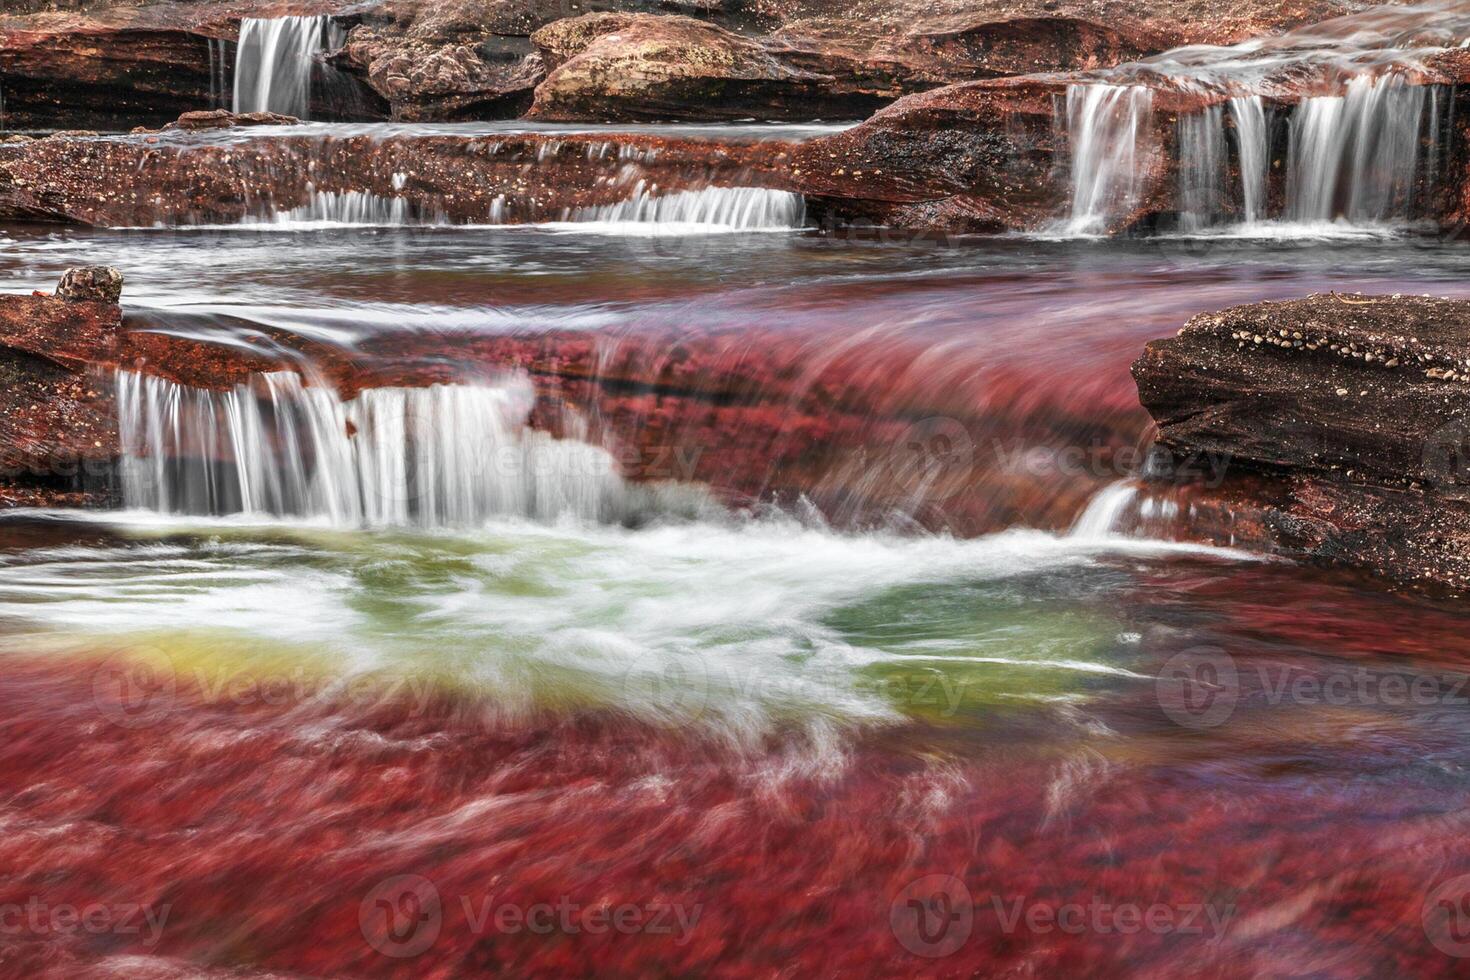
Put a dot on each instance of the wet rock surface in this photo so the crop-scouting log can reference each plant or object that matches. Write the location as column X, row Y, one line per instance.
column 115, row 64
column 1354, row 410
column 58, row 435
column 180, row 179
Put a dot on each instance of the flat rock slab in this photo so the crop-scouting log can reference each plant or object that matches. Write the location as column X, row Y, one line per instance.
column 1355, row 408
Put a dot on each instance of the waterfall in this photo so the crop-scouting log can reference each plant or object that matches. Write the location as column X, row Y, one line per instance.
column 1130, row 509
column 1253, row 147
column 340, row 208
column 1104, row 513
column 1356, row 155
column 219, row 92
column 446, row 455
column 731, row 208
column 1201, row 139
column 274, row 62
column 1106, row 128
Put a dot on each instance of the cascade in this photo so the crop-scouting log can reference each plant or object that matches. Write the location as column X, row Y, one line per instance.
column 737, row 208
column 341, row 208
column 1201, row 168
column 441, row 456
column 1253, row 148
column 1106, row 125
column 274, row 61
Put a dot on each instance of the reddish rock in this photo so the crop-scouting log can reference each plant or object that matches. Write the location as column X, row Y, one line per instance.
column 639, row 67
column 225, row 119
column 58, row 435
column 179, row 178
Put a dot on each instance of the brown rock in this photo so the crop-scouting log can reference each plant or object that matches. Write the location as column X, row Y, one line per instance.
column 96, row 283
column 225, row 119
column 196, row 178
column 1354, row 410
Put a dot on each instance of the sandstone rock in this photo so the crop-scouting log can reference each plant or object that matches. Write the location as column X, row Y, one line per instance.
column 639, row 67
column 97, row 283
column 1354, row 410
column 636, row 66
column 977, row 157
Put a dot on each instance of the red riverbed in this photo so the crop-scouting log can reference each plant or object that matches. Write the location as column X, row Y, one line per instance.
column 169, row 832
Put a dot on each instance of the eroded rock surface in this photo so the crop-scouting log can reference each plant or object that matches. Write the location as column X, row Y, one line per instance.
column 1355, row 410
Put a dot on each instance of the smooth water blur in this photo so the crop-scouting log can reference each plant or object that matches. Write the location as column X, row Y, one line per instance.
column 779, row 727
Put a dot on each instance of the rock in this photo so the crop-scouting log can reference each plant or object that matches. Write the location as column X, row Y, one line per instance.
column 225, row 119
column 58, row 434
column 197, row 177
column 1351, row 413
column 96, row 283
column 115, row 65
column 637, row 66
column 977, row 157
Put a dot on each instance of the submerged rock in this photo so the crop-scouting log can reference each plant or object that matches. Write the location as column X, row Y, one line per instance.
column 1347, row 417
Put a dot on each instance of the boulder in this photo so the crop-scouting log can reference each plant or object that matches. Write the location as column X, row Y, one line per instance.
column 58, row 434
column 1348, row 417
column 612, row 66
column 95, row 283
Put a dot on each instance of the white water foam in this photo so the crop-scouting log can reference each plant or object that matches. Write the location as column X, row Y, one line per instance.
column 332, row 209
column 441, row 456
column 710, row 209
column 274, row 62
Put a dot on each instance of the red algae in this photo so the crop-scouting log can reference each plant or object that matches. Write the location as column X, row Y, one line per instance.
column 431, row 836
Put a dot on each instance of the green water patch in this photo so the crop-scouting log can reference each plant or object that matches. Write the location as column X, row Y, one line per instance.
column 957, row 651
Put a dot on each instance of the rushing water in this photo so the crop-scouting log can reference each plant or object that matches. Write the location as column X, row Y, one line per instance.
column 1365, row 126
column 275, row 60
column 405, row 604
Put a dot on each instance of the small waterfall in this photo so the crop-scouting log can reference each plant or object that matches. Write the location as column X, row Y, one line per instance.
column 341, row 208
column 1105, row 512
column 730, row 208
column 1356, row 155
column 1107, row 129
column 274, row 62
column 446, row 455
column 1201, row 139
column 219, row 66
column 1253, row 148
